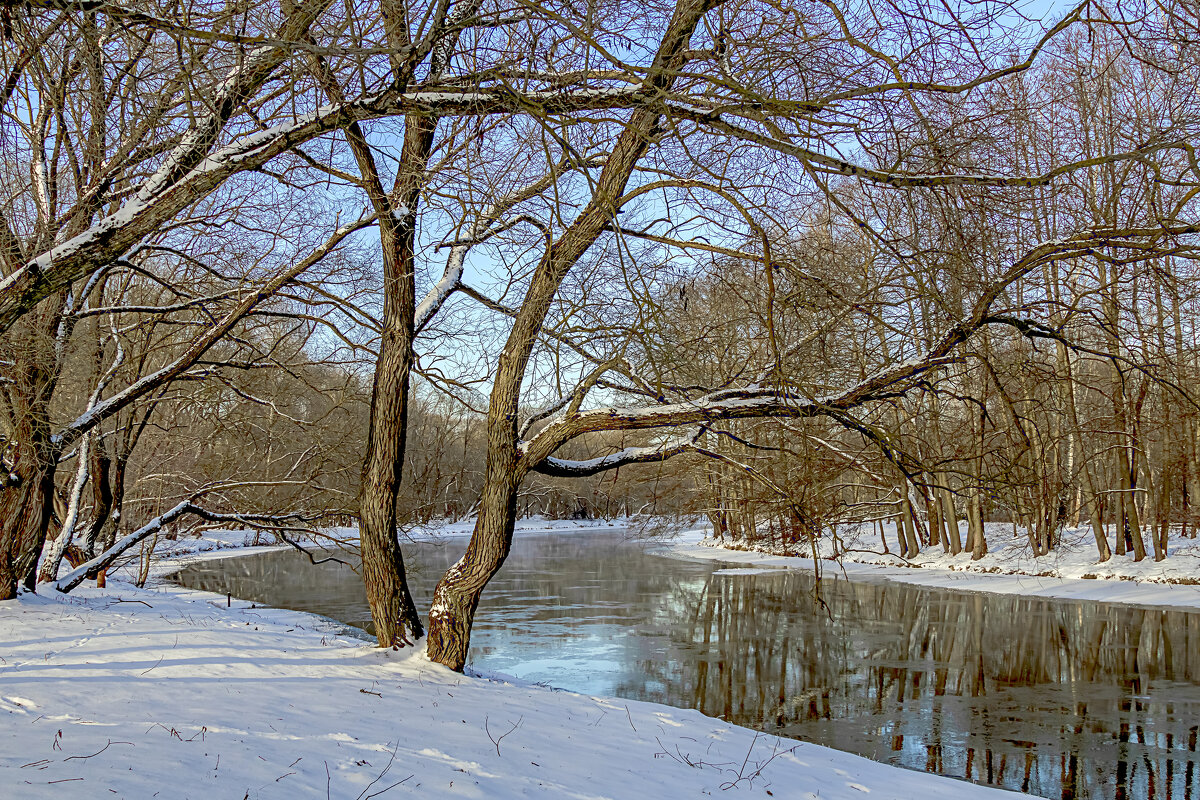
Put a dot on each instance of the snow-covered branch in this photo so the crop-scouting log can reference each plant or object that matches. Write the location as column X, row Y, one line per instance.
column 482, row 229
column 759, row 400
column 160, row 200
column 566, row 468
column 103, row 561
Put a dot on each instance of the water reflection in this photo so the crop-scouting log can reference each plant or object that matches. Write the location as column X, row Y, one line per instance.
column 1061, row 699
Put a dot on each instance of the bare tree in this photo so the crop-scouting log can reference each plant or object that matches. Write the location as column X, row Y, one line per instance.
column 981, row 303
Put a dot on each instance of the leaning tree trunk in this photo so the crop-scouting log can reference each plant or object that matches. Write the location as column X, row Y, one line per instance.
column 457, row 594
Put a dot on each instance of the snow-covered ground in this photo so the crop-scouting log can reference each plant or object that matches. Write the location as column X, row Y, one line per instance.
column 1070, row 571
column 166, row 692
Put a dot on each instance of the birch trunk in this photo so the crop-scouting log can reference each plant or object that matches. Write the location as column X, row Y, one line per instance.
column 52, row 560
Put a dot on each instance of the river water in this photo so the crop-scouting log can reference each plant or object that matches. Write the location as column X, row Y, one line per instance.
column 1057, row 698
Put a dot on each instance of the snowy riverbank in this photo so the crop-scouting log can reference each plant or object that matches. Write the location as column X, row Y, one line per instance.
column 167, row 692
column 1070, row 572
column 132, row 692
column 221, row 543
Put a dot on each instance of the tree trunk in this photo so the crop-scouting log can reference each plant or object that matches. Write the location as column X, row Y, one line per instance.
column 1133, row 526
column 25, row 505
column 937, row 530
column 392, row 606
column 102, row 498
column 978, row 537
column 391, row 602
column 949, row 516
column 457, row 593
column 27, row 493
column 979, row 546
column 55, row 552
column 1096, row 518
column 1089, row 485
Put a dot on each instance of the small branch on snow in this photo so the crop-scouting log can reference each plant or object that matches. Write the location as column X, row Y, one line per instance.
column 98, row 752
column 759, row 766
column 363, row 795
column 497, row 739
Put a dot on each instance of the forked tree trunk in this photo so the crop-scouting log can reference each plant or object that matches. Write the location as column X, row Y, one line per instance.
column 979, row 547
column 949, row 516
column 1133, row 524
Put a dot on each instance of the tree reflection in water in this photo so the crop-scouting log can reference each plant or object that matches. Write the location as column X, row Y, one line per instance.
column 1061, row 699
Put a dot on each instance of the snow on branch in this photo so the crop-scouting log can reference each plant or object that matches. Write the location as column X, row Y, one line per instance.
column 759, row 400
column 481, row 229
column 161, row 199
column 565, row 468
column 103, row 561
column 205, row 341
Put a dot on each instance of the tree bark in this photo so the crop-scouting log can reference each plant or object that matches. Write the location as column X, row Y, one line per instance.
column 102, row 497
column 27, row 492
column 392, row 606
column 949, row 516
column 913, row 542
column 25, row 505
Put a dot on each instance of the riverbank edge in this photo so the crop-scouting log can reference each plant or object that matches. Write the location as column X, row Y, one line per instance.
column 958, row 573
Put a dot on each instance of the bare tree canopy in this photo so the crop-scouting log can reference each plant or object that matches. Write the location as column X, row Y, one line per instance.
column 920, row 239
